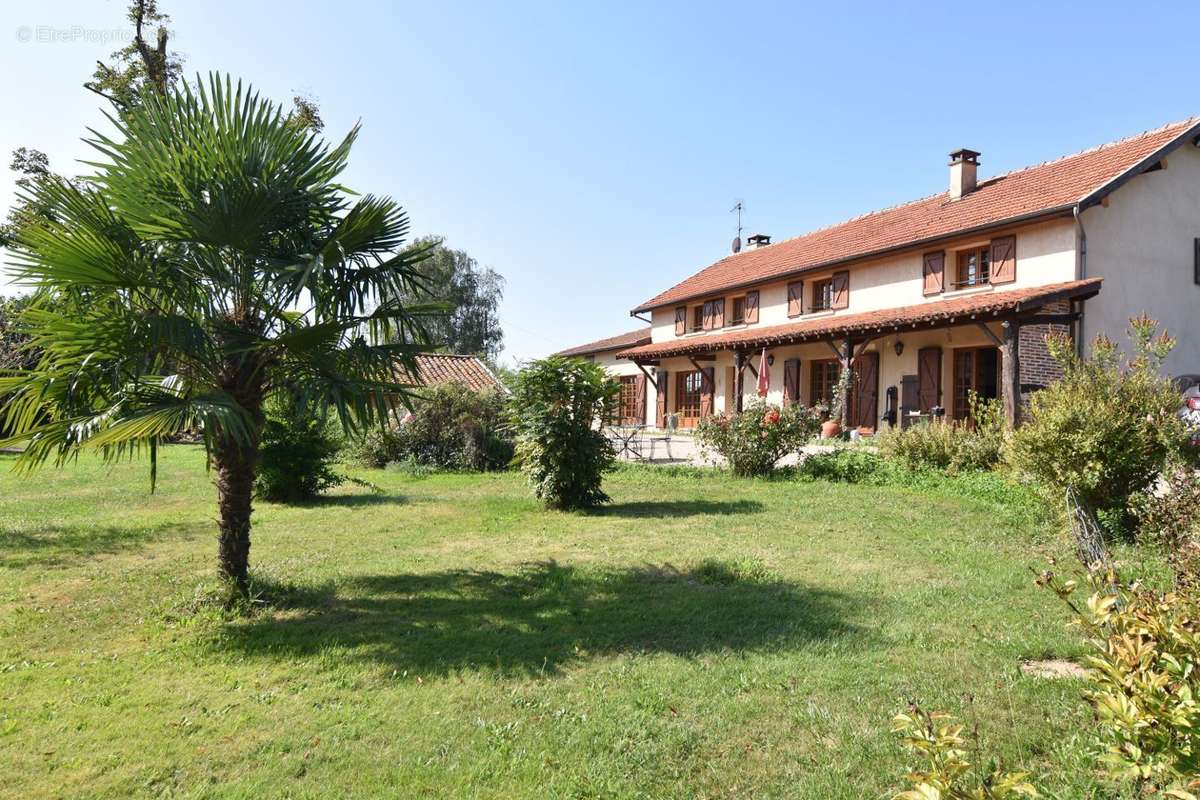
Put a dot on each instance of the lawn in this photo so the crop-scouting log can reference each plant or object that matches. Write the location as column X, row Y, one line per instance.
column 701, row 637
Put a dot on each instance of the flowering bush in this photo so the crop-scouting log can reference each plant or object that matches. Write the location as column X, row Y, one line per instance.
column 753, row 442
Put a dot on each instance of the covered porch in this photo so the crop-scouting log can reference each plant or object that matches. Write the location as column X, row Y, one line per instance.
column 905, row 363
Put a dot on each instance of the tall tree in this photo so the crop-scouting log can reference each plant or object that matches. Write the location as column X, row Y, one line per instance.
column 471, row 294
column 212, row 262
column 133, row 70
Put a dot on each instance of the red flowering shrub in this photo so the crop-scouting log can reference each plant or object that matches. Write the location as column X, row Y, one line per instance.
column 753, row 442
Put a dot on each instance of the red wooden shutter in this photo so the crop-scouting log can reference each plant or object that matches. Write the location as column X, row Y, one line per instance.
column 795, row 298
column 935, row 272
column 791, row 381
column 706, row 316
column 718, row 313
column 660, row 406
column 639, row 394
column 929, row 378
column 866, row 390
column 751, row 307
column 707, row 385
column 681, row 321
column 841, row 289
column 1004, row 259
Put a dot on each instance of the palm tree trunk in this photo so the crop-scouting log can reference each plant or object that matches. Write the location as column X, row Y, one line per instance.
column 235, row 467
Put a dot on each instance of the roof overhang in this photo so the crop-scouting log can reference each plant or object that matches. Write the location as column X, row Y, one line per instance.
column 1094, row 197
column 974, row 309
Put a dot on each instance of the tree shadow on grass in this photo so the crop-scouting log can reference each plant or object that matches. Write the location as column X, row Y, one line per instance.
column 61, row 545
column 678, row 508
column 541, row 618
column 364, row 499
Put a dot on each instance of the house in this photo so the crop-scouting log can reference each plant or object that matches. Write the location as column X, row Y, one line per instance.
column 435, row 368
column 632, row 404
column 931, row 300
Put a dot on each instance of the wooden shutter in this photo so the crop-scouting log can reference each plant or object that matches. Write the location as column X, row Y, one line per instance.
column 866, row 391
column 929, row 378
column 791, row 381
column 795, row 298
column 707, row 385
column 718, row 313
column 706, row 316
column 639, row 394
column 934, row 271
column 751, row 307
column 841, row 289
column 1196, row 261
column 660, row 406
column 681, row 321
column 1004, row 259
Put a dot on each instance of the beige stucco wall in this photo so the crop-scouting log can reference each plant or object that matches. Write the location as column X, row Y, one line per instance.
column 1142, row 245
column 891, row 367
column 1045, row 254
column 617, row 367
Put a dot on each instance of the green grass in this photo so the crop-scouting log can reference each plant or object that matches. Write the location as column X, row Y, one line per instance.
column 700, row 637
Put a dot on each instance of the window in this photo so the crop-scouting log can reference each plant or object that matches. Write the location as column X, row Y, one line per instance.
column 974, row 267
column 627, row 405
column 698, row 318
column 739, row 311
column 824, row 378
column 822, row 294
column 687, row 396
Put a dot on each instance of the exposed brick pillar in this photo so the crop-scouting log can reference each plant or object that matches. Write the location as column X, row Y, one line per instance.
column 1038, row 368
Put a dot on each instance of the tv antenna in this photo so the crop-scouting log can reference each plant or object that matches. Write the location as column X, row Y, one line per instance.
column 739, row 207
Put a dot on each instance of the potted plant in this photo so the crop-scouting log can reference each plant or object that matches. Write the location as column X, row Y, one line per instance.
column 832, row 426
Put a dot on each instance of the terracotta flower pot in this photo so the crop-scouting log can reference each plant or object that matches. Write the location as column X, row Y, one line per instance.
column 830, row 428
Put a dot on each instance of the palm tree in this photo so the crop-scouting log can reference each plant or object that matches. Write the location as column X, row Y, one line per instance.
column 211, row 261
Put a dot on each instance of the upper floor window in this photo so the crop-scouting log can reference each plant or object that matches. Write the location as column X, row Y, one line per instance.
column 974, row 267
column 822, row 294
column 738, row 315
column 698, row 318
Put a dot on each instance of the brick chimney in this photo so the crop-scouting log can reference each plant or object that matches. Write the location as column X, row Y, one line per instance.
column 758, row 240
column 963, row 164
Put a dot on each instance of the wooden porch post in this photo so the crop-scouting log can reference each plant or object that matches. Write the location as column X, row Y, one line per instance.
column 847, row 360
column 1010, row 373
column 739, row 365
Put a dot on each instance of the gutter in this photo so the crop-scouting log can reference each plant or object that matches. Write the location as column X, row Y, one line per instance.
column 1080, row 274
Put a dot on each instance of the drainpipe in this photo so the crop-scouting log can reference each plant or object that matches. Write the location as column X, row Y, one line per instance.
column 1080, row 274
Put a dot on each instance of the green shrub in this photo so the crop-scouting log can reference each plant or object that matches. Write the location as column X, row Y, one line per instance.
column 845, row 465
column 1166, row 515
column 945, row 773
column 753, row 441
column 451, row 427
column 375, row 448
column 455, row 427
column 1106, row 429
column 556, row 409
column 298, row 453
column 1144, row 680
column 947, row 445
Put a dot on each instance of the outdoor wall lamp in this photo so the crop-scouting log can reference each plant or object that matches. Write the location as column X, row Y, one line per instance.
column 898, row 347
column 771, row 360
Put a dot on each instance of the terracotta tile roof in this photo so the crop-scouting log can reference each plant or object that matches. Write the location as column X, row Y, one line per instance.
column 631, row 339
column 934, row 314
column 436, row 368
column 1041, row 190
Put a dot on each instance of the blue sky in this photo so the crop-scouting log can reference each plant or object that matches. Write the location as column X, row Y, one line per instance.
column 591, row 152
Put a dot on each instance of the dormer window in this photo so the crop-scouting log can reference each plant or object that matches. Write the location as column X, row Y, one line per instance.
column 974, row 267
